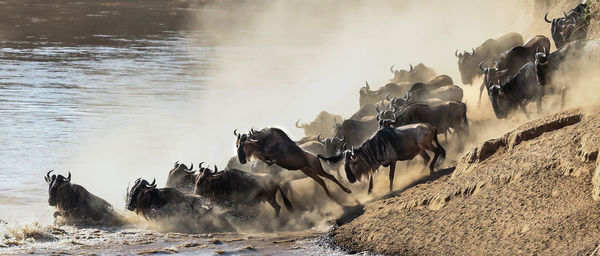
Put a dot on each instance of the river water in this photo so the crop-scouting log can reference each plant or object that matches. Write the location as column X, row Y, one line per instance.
column 72, row 71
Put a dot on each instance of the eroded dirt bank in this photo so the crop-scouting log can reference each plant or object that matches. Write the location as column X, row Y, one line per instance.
column 530, row 191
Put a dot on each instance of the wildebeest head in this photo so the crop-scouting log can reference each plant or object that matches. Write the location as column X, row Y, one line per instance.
column 245, row 146
column 402, row 75
column 491, row 74
column 56, row 182
column 181, row 176
column 139, row 187
column 320, row 125
column 354, row 162
column 499, row 104
column 466, row 64
column 333, row 145
column 541, row 68
column 205, row 176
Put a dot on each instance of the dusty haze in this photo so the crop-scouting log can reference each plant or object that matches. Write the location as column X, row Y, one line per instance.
column 279, row 61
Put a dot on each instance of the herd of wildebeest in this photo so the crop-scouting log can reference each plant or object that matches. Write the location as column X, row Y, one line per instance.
column 396, row 122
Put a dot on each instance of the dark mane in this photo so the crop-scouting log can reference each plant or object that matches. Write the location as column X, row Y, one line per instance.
column 374, row 150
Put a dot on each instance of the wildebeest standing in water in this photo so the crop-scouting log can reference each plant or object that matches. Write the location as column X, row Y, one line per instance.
column 194, row 213
column 387, row 146
column 419, row 73
column 232, row 188
column 182, row 178
column 489, row 51
column 273, row 146
column 511, row 61
column 573, row 26
column 75, row 204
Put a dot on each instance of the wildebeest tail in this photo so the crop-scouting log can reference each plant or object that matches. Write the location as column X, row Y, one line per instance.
column 287, row 202
column 440, row 160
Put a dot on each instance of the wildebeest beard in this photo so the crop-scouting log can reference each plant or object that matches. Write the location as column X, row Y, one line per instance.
column 372, row 153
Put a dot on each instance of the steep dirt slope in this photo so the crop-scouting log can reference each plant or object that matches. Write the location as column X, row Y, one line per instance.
column 528, row 192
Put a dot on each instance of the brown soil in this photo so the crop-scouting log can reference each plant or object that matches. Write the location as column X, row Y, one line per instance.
column 528, row 192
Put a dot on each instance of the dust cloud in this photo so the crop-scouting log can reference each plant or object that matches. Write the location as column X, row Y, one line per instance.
column 279, row 61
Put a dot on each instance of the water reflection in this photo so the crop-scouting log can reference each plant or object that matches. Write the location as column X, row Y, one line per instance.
column 65, row 66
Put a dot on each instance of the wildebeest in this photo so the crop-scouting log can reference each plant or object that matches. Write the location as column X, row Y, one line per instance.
column 421, row 91
column 441, row 114
column 509, row 62
column 182, row 178
column 231, row 188
column 193, row 213
column 273, row 146
column 75, row 204
column 387, row 146
column 516, row 92
column 321, row 124
column 546, row 65
column 356, row 131
column 419, row 73
column 368, row 96
column 490, row 50
column 363, row 111
column 573, row 26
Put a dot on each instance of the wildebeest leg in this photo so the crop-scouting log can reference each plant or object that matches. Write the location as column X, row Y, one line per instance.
column 539, row 101
column 318, row 179
column 524, row 108
column 317, row 169
column 392, row 170
column 330, row 177
column 370, row 185
column 275, row 205
column 426, row 158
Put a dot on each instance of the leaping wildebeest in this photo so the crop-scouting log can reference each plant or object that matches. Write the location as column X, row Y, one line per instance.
column 489, row 51
column 74, row 203
column 233, row 187
column 273, row 146
column 387, row 146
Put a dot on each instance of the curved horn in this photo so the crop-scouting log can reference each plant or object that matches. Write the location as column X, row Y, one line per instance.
column 236, row 134
column 298, row 126
column 367, row 85
column 411, row 68
column 481, row 66
column 176, row 164
column 216, row 169
column 153, row 184
column 191, row 166
column 69, row 177
column 48, row 176
column 546, row 18
column 319, row 138
column 565, row 14
column 472, row 51
column 395, row 117
column 200, row 165
column 377, row 107
column 392, row 68
column 387, row 97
